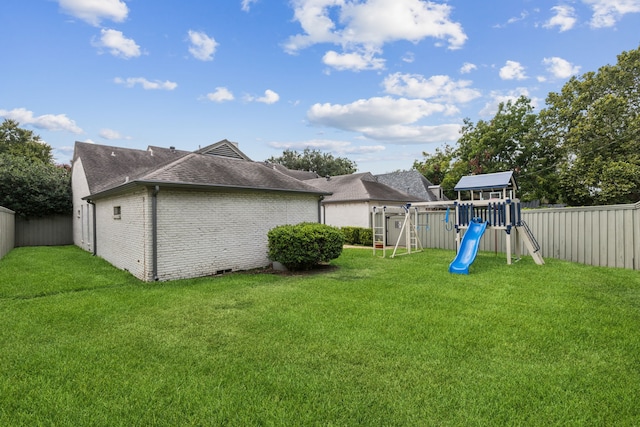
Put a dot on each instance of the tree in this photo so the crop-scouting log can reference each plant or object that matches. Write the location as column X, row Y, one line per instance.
column 34, row 188
column 596, row 119
column 16, row 141
column 505, row 143
column 438, row 168
column 30, row 184
column 324, row 164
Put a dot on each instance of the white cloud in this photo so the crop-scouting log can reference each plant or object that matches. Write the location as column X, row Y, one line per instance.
column 496, row 97
column 202, row 46
column 117, row 44
column 467, row 67
column 384, row 118
column 270, row 97
column 146, row 84
column 564, row 18
column 52, row 122
column 409, row 57
column 523, row 15
column 400, row 134
column 352, row 61
column 112, row 134
column 365, row 26
column 337, row 147
column 512, row 71
column 62, row 154
column 246, row 4
column 560, row 68
column 221, row 94
column 607, row 12
column 94, row 11
column 438, row 88
column 377, row 111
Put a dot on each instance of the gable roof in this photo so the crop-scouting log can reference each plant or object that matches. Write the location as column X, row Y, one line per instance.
column 224, row 148
column 113, row 169
column 487, row 181
column 413, row 182
column 359, row 187
column 106, row 166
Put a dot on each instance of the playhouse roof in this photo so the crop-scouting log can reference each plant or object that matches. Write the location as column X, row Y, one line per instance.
column 487, row 181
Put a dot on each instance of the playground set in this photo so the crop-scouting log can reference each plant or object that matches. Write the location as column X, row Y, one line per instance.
column 491, row 205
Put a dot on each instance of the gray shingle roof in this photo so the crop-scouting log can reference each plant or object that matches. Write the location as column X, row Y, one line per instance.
column 301, row 175
column 412, row 182
column 487, row 181
column 199, row 169
column 360, row 187
column 107, row 166
column 111, row 168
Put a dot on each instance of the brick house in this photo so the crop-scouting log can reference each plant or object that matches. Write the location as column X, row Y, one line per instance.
column 165, row 214
column 354, row 196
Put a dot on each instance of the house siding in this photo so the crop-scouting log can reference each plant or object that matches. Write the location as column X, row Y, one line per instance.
column 82, row 211
column 353, row 214
column 126, row 242
column 203, row 233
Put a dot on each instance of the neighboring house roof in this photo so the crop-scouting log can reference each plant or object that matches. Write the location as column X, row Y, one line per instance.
column 487, row 181
column 360, row 187
column 301, row 175
column 111, row 169
column 413, row 182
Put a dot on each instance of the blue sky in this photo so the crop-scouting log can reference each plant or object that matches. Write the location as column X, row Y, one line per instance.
column 376, row 81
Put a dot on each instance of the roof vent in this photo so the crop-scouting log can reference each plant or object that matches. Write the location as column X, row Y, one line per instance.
column 224, row 151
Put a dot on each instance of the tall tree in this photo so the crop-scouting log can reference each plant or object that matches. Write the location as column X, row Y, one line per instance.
column 17, row 141
column 438, row 168
column 324, row 164
column 504, row 143
column 596, row 118
column 30, row 184
column 33, row 188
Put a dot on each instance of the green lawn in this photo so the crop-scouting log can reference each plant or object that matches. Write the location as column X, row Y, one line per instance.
column 376, row 342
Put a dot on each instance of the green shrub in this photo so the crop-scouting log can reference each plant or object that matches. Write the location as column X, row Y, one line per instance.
column 351, row 235
column 357, row 235
column 302, row 246
column 366, row 236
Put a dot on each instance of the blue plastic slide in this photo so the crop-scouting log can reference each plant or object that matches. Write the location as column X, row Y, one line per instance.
column 468, row 248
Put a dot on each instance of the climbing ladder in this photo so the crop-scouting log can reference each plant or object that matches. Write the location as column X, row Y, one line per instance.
column 379, row 226
column 410, row 228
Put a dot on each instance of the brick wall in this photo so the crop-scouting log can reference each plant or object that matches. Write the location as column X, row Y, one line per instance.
column 202, row 233
column 126, row 241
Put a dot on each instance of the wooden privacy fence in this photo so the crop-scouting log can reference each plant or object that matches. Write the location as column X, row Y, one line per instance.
column 7, row 231
column 607, row 236
column 54, row 230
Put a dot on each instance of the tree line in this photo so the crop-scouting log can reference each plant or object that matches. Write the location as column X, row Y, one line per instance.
column 581, row 149
column 31, row 184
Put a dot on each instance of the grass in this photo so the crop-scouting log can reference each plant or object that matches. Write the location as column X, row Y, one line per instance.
column 375, row 342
